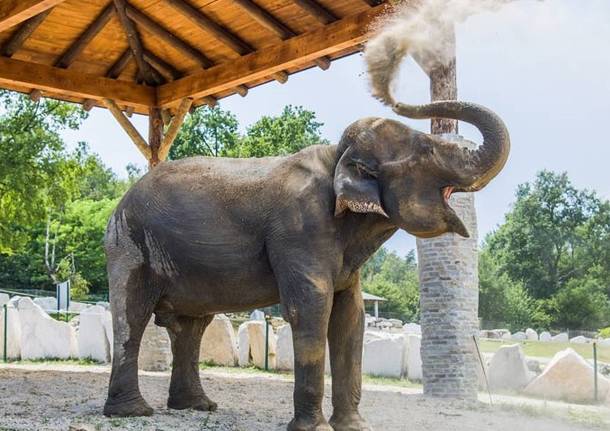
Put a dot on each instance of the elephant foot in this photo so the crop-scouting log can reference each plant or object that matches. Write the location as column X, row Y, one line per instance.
column 121, row 407
column 349, row 422
column 309, row 424
column 200, row 402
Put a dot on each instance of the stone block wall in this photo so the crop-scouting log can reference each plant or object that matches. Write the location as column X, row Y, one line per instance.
column 449, row 296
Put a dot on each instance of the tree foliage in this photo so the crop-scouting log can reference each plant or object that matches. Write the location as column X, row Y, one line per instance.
column 35, row 176
column 554, row 251
column 214, row 132
column 393, row 277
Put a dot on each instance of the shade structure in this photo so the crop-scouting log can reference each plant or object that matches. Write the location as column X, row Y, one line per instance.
column 155, row 53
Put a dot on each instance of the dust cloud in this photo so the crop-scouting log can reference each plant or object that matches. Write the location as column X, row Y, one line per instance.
column 421, row 29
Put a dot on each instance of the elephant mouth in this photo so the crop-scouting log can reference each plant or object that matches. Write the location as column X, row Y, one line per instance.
column 447, row 191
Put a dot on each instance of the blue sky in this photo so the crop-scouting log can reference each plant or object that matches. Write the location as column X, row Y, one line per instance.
column 543, row 66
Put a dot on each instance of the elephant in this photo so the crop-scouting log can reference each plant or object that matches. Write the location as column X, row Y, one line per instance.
column 201, row 236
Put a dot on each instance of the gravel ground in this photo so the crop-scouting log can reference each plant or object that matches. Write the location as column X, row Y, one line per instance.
column 38, row 397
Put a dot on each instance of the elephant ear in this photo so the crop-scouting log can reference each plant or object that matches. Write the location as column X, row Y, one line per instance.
column 356, row 187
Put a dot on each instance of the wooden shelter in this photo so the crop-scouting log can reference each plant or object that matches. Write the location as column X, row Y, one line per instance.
column 164, row 57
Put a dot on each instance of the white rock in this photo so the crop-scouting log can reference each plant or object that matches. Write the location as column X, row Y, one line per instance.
column 375, row 335
column 545, row 337
column 78, row 306
column 155, row 349
column 92, row 340
column 579, row 340
column 506, row 336
column 13, row 332
column 285, row 348
column 256, row 335
column 508, row 369
column 385, row 356
column 4, row 298
column 412, row 328
column 414, row 363
column 604, row 342
column 567, row 377
column 519, row 336
column 218, row 344
column 42, row 336
column 395, row 323
column 257, row 315
column 47, row 303
column 495, row 334
column 243, row 345
column 531, row 334
column 107, row 323
column 560, row 338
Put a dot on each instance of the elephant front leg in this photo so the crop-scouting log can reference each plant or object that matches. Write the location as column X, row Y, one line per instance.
column 345, row 335
column 306, row 306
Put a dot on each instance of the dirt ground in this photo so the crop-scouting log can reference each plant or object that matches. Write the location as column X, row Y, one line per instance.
column 38, row 397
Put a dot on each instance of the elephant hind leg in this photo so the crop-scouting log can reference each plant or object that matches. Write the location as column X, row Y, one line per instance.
column 185, row 391
column 132, row 308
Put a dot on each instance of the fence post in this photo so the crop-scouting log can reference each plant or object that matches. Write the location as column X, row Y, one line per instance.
column 595, row 371
column 5, row 356
column 267, row 317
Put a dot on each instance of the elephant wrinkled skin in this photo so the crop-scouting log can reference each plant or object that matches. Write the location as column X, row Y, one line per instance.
column 201, row 236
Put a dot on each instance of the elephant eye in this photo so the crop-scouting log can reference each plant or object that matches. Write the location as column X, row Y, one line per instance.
column 364, row 170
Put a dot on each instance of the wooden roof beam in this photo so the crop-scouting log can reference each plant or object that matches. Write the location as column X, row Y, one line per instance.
column 316, row 10
column 86, row 36
column 74, row 84
column 231, row 40
column 270, row 22
column 14, row 43
column 203, row 21
column 13, row 12
column 134, row 40
column 336, row 37
column 169, row 72
column 166, row 35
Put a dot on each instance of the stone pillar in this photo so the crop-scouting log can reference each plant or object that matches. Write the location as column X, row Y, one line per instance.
column 448, row 275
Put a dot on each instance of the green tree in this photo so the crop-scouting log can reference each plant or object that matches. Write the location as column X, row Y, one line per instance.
column 294, row 129
column 34, row 176
column 393, row 277
column 206, row 132
column 548, row 265
column 541, row 241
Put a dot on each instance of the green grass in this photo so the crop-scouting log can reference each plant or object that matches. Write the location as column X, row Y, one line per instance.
column 84, row 361
column 547, row 350
column 373, row 380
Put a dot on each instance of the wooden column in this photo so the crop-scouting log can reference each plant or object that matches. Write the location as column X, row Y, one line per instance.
column 155, row 135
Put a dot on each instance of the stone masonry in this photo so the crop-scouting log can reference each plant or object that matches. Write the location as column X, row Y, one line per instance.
column 448, row 273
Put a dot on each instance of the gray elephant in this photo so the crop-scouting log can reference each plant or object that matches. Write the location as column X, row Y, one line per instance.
column 201, row 236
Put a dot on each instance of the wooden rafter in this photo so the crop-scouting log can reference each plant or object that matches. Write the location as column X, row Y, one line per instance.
column 14, row 43
column 270, row 22
column 86, row 36
column 135, row 43
column 113, row 73
column 231, row 40
column 162, row 33
column 73, row 84
column 169, row 72
column 203, row 21
column 14, row 12
column 316, row 10
column 335, row 37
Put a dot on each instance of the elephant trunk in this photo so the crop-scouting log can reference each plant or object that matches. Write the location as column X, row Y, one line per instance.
column 470, row 169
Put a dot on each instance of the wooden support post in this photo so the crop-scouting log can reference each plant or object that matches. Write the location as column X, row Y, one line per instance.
column 35, row 95
column 174, row 128
column 129, row 128
column 155, row 135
